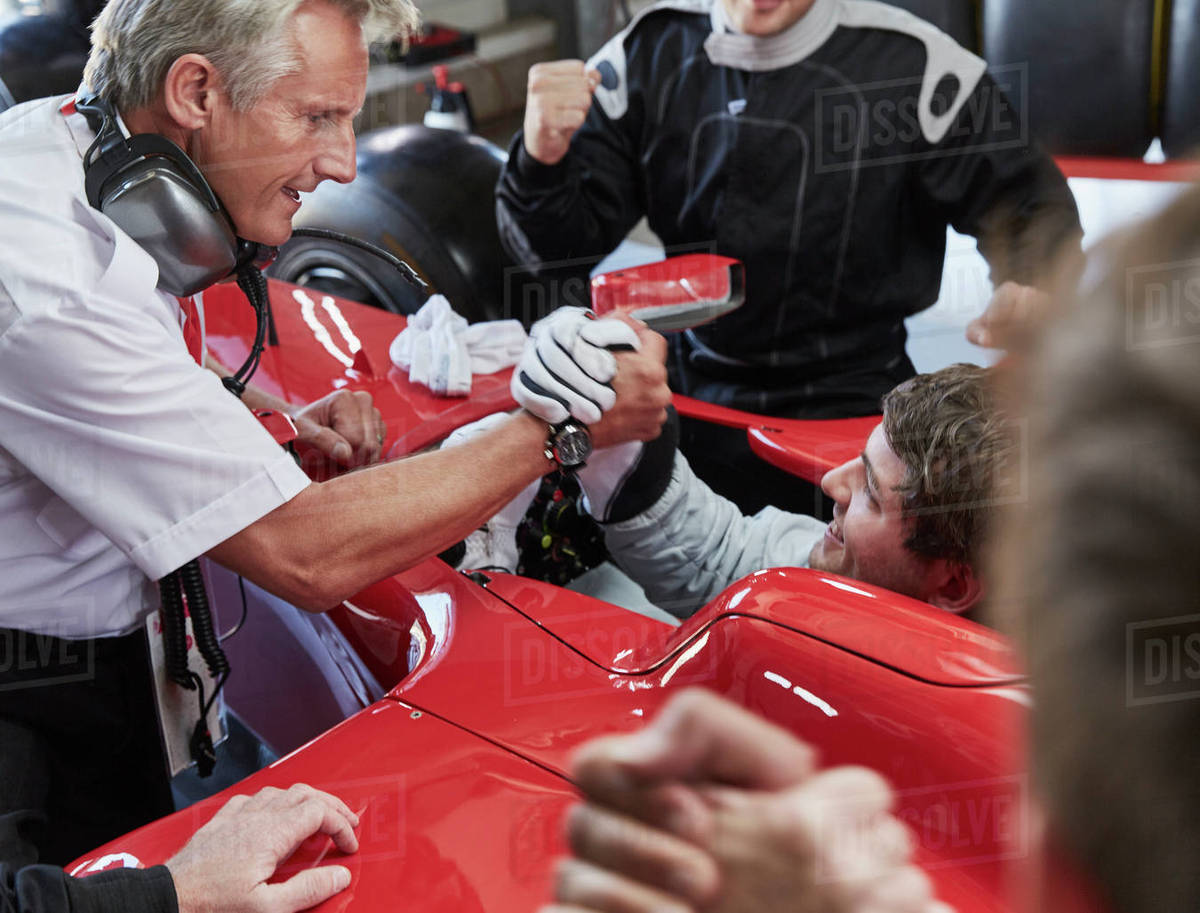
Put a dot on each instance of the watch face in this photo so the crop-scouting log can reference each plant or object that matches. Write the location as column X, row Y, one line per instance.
column 572, row 445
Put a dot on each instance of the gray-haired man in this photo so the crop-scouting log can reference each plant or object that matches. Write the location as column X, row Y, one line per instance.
column 122, row 458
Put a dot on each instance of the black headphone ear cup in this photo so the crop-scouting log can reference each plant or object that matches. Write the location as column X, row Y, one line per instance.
column 162, row 211
column 155, row 194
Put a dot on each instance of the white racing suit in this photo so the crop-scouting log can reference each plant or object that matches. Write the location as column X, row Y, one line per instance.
column 673, row 535
column 692, row 543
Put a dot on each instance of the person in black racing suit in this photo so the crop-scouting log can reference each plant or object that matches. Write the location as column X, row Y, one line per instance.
column 827, row 144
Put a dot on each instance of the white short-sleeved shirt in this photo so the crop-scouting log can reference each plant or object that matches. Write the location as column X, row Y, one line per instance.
column 121, row 459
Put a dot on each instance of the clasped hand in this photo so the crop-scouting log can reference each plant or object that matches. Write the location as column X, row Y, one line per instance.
column 345, row 426
column 607, row 373
column 712, row 809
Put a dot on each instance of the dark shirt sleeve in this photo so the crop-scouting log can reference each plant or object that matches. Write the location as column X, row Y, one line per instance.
column 580, row 207
column 993, row 181
column 48, row 889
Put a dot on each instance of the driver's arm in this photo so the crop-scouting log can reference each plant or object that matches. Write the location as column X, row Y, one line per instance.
column 692, row 543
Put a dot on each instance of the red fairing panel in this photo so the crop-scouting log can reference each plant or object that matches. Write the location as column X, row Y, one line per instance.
column 808, row 448
column 952, row 752
column 449, row 822
column 542, row 681
column 894, row 630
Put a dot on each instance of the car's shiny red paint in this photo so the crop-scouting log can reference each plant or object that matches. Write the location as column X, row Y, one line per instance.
column 807, row 448
column 449, row 822
column 460, row 769
column 511, row 694
column 327, row 344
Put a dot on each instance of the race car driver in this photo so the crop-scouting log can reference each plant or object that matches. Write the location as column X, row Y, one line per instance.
column 910, row 513
column 826, row 144
column 122, row 459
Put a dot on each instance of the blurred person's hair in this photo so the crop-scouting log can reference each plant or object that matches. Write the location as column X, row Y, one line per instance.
column 134, row 43
column 1105, row 544
column 956, row 445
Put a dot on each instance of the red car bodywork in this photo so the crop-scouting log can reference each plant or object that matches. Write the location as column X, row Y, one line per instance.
column 460, row 770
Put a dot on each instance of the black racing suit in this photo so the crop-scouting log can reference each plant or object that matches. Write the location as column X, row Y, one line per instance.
column 815, row 158
column 47, row 889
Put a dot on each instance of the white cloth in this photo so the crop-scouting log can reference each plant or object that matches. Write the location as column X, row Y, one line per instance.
column 120, row 458
column 440, row 350
column 692, row 543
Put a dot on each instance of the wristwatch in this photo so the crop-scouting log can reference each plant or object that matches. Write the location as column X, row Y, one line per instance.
column 569, row 444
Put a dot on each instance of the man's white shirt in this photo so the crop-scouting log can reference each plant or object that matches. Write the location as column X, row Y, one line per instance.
column 121, row 459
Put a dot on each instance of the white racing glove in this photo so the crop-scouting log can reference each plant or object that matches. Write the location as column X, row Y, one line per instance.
column 567, row 365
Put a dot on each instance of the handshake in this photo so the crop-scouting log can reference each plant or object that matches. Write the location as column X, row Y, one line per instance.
column 606, row 373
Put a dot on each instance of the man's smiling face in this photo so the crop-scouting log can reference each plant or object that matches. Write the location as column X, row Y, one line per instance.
column 299, row 134
column 865, row 539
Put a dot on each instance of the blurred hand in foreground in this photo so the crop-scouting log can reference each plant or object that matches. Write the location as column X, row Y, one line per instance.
column 1012, row 313
column 710, row 808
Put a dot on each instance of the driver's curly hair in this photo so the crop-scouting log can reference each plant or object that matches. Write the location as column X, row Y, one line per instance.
column 958, row 450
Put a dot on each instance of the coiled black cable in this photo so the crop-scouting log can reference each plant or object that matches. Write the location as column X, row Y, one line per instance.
column 254, row 286
column 207, row 643
column 182, row 591
column 174, row 632
column 183, row 594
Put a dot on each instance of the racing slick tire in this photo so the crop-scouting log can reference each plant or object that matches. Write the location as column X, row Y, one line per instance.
column 424, row 195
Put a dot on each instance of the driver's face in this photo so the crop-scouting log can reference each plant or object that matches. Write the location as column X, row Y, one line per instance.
column 765, row 17
column 865, row 539
column 299, row 134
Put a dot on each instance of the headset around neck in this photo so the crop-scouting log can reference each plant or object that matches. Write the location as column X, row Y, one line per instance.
column 151, row 189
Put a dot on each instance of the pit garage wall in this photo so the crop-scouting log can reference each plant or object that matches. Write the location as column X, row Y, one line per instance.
column 512, row 36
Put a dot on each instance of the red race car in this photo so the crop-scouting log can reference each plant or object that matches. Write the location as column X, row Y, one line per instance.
column 444, row 706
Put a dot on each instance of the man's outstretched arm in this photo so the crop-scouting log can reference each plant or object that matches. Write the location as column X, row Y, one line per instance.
column 337, row 537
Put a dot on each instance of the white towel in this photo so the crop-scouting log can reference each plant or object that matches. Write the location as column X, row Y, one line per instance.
column 441, row 351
